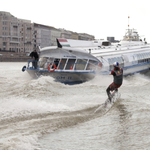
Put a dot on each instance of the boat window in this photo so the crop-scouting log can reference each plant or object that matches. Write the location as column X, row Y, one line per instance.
column 50, row 60
column 119, row 60
column 42, row 62
column 113, row 60
column 116, row 59
column 56, row 61
column 140, row 56
column 43, row 59
column 143, row 56
column 146, row 55
column 109, row 60
column 62, row 64
column 80, row 64
column 122, row 60
column 149, row 57
column 92, row 65
column 70, row 64
column 106, row 43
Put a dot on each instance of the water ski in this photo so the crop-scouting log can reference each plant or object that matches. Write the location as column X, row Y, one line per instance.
column 108, row 104
column 114, row 96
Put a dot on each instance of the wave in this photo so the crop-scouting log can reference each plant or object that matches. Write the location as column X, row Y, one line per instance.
column 27, row 130
column 31, row 108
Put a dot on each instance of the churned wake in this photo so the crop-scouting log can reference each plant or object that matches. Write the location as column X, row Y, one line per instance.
column 31, row 108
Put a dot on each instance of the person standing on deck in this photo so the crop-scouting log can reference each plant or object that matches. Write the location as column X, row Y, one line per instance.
column 35, row 57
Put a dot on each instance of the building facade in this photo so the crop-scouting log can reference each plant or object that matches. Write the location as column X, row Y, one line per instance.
column 55, row 33
column 15, row 34
column 65, row 34
column 42, row 36
column 86, row 37
column 45, row 35
column 74, row 35
column 22, row 36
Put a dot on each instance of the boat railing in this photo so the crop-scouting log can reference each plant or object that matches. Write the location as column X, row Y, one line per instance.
column 33, row 64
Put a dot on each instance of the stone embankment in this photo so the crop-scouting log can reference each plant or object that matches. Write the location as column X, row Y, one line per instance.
column 13, row 57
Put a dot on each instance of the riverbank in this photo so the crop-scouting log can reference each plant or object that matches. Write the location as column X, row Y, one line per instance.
column 13, row 57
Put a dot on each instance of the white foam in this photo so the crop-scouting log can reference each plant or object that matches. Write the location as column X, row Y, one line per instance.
column 25, row 102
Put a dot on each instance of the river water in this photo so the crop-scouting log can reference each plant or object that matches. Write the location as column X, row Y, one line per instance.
column 41, row 114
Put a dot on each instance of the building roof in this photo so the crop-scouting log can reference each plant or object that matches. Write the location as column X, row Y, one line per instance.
column 5, row 13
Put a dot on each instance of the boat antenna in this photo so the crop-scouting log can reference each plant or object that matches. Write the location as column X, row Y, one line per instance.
column 128, row 22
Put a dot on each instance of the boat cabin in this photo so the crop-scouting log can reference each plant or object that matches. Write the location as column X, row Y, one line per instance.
column 131, row 35
column 67, row 63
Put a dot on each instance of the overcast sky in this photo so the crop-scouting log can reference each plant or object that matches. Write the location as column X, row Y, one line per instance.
column 100, row 18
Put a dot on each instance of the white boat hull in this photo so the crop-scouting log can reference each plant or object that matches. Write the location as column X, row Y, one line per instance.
column 63, row 77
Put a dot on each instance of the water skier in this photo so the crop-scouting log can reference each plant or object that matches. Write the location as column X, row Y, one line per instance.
column 117, row 73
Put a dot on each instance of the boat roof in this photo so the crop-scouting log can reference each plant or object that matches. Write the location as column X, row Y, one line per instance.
column 129, row 44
